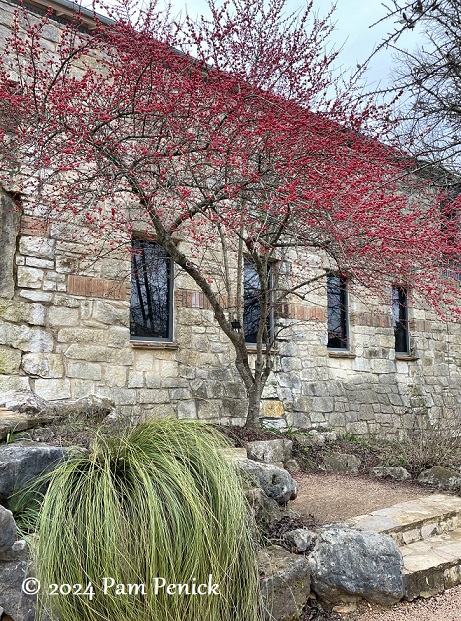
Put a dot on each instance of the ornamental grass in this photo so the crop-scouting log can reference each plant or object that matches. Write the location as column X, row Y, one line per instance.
column 160, row 502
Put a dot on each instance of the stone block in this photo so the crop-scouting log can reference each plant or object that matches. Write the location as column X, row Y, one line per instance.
column 272, row 408
column 53, row 389
column 187, row 409
column 443, row 478
column 90, row 353
column 322, row 404
column 276, row 482
column 270, row 451
column 81, row 335
column 41, row 247
column 36, row 296
column 15, row 382
column 7, row 529
column 341, row 463
column 118, row 336
column 153, row 380
column 393, row 472
column 115, row 376
column 358, row 428
column 153, row 396
column 83, row 388
column 351, row 563
column 288, row 365
column 120, row 396
column 285, row 583
column 288, row 348
column 145, row 361
column 124, row 357
column 84, row 370
column 30, row 277
column 136, row 380
column 62, row 316
column 168, row 368
column 10, row 361
column 30, row 339
column 42, row 263
column 180, row 394
column 208, row 410
column 112, row 313
column 19, row 312
column 19, row 465
column 43, row 364
column 298, row 420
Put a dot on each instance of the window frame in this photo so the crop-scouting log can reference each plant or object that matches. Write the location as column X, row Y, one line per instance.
column 403, row 320
column 270, row 317
column 169, row 292
column 344, row 314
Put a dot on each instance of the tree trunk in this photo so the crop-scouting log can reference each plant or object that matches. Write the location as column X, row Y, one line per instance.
column 254, row 405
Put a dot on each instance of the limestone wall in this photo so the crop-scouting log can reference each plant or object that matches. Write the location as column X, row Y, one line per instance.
column 66, row 336
column 64, row 333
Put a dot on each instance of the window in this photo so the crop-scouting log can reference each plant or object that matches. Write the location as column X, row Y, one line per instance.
column 450, row 213
column 338, row 337
column 252, row 303
column 151, row 311
column 400, row 319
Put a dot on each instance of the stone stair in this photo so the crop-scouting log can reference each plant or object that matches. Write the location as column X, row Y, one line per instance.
column 428, row 533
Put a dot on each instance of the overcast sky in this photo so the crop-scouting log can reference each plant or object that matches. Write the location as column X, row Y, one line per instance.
column 352, row 32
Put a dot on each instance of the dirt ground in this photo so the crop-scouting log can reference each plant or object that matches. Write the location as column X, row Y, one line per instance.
column 334, row 497
column 329, row 498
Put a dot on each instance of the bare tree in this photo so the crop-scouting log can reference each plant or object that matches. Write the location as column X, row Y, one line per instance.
column 428, row 78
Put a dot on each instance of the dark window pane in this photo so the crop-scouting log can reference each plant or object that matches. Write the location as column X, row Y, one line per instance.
column 252, row 303
column 151, row 291
column 337, row 312
column 400, row 319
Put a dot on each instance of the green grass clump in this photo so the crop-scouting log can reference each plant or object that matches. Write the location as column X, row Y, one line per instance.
column 161, row 501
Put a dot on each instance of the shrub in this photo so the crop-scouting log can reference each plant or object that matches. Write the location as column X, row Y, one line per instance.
column 432, row 443
column 161, row 501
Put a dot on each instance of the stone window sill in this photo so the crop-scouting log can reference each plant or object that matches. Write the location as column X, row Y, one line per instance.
column 406, row 358
column 341, row 354
column 251, row 349
column 153, row 345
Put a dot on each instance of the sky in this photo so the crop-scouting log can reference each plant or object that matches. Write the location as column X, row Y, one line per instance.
column 352, row 33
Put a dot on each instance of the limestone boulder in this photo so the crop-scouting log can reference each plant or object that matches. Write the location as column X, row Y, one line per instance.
column 348, row 564
column 21, row 463
column 285, row 583
column 24, row 401
column 7, row 529
column 397, row 473
column 341, row 463
column 292, row 465
column 443, row 478
column 14, row 568
column 276, row 482
column 301, row 540
column 266, row 510
column 270, row 451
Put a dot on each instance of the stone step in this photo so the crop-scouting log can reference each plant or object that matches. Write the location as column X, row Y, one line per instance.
column 428, row 533
column 415, row 520
column 432, row 565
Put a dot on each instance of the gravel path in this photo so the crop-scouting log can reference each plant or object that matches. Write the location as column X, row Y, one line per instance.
column 444, row 607
column 335, row 497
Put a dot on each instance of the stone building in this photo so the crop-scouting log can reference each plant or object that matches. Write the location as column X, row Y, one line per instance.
column 341, row 362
